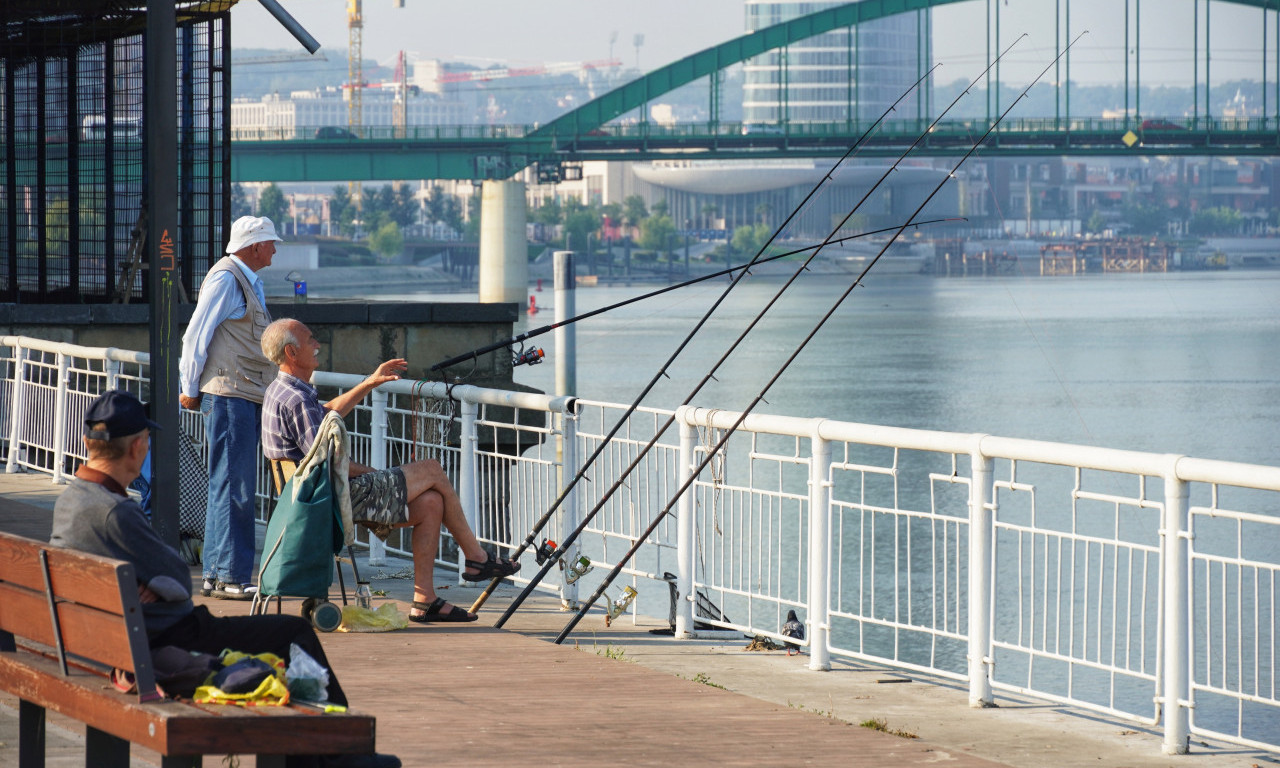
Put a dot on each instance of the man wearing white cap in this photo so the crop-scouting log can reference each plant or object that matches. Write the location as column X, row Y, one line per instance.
column 224, row 374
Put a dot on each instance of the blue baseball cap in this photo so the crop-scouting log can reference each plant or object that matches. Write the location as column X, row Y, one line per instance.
column 122, row 413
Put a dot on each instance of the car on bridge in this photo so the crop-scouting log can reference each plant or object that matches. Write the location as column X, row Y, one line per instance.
column 334, row 132
column 1161, row 125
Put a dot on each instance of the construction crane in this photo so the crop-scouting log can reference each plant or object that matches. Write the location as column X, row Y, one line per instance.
column 400, row 107
column 355, row 75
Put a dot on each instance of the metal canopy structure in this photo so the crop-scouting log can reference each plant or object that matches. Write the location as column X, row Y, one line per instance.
column 73, row 147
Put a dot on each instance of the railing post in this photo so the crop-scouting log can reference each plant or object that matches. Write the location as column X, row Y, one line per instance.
column 570, row 514
column 467, row 469
column 819, row 631
column 981, row 547
column 112, row 370
column 378, row 460
column 17, row 402
column 1176, row 693
column 60, row 419
column 684, row 527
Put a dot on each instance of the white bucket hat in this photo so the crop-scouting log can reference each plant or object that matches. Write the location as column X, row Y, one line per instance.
column 247, row 230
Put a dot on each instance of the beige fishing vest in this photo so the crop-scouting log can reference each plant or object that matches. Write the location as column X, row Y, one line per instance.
column 235, row 366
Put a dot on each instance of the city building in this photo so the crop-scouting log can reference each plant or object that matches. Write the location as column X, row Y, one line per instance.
column 301, row 113
column 846, row 75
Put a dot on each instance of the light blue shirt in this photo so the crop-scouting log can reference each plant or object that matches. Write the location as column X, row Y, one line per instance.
column 220, row 300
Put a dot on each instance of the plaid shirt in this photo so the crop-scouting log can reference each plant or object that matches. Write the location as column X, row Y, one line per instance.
column 291, row 414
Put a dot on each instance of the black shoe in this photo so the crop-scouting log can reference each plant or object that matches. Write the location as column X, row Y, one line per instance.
column 359, row 761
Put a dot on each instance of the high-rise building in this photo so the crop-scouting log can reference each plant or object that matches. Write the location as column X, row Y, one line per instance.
column 847, row 75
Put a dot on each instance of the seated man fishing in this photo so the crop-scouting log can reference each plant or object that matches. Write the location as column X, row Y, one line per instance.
column 95, row 514
column 417, row 494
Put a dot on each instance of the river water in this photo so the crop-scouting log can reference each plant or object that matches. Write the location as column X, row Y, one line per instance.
column 1178, row 363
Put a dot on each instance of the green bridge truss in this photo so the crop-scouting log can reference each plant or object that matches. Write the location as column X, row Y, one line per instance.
column 497, row 152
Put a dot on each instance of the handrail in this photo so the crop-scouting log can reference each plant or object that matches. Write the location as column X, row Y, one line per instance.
column 1017, row 565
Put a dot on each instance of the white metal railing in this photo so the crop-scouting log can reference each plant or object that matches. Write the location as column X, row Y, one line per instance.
column 1135, row 584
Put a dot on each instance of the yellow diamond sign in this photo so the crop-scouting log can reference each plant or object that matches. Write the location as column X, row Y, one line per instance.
column 1129, row 138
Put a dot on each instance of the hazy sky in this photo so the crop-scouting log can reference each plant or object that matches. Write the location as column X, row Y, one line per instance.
column 525, row 32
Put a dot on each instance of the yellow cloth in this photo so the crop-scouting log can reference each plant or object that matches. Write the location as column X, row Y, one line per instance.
column 271, row 692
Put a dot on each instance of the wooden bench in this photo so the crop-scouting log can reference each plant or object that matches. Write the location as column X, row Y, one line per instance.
column 67, row 618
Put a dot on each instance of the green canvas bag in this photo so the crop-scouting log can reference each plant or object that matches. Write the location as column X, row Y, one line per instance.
column 303, row 535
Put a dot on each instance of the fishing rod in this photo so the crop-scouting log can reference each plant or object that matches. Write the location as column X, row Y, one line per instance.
column 554, row 556
column 662, row 371
column 521, row 338
column 719, row 446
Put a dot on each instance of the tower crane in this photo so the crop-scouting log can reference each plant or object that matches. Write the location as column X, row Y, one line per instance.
column 355, row 75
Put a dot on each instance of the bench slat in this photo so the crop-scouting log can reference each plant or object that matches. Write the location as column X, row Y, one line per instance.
column 92, row 579
column 86, row 631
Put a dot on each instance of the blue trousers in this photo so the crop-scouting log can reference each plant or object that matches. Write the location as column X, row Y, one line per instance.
column 231, row 425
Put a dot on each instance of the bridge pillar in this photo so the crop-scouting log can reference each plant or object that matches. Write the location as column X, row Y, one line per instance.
column 504, row 251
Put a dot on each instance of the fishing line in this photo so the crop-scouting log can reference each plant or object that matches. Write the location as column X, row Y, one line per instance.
column 662, row 371
column 728, row 432
column 569, row 540
column 1048, row 361
column 520, row 338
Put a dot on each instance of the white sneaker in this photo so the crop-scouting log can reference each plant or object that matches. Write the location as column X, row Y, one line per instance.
column 226, row 591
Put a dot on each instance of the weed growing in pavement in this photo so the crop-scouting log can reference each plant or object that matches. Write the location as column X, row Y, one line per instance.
column 878, row 724
column 703, row 678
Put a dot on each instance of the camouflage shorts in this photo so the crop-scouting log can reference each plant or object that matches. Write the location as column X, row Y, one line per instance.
column 379, row 500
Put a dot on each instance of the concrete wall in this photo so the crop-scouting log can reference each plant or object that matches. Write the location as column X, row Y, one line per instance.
column 357, row 336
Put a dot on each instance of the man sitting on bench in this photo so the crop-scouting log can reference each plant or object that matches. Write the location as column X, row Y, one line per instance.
column 95, row 514
column 417, row 494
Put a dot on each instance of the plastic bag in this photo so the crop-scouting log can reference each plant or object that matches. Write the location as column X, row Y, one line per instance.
column 307, row 679
column 271, row 692
column 384, row 619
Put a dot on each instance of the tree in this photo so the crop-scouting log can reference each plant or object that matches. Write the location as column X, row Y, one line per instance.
column 273, row 205
column 1146, row 219
column 1216, row 221
column 744, row 240
column 579, row 221
column 472, row 227
column 656, row 231
column 634, row 210
column 548, row 214
column 660, row 208
column 709, row 211
column 387, row 241
column 239, row 202
column 763, row 210
column 749, row 239
column 1095, row 223
column 342, row 210
column 444, row 208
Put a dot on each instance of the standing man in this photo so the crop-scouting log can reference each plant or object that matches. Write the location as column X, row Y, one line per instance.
column 224, row 375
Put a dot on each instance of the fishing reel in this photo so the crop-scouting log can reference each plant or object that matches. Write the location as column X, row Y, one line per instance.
column 577, row 569
column 545, row 551
column 615, row 608
column 531, row 356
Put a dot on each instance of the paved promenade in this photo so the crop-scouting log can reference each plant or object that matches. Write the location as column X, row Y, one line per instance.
column 475, row 695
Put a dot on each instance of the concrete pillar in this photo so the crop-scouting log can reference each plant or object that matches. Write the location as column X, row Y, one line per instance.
column 504, row 252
